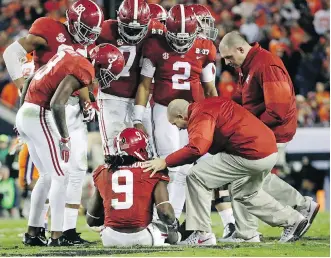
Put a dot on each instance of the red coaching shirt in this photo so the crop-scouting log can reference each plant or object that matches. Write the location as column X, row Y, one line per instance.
column 220, row 125
column 128, row 195
column 47, row 78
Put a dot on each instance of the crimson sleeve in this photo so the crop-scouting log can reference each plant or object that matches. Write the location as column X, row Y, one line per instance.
column 96, row 173
column 84, row 71
column 277, row 93
column 148, row 51
column 201, row 132
column 40, row 28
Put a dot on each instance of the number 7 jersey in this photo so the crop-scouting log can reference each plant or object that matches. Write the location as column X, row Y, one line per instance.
column 128, row 195
column 178, row 76
column 126, row 86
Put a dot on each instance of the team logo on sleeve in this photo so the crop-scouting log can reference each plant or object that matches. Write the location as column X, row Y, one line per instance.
column 61, row 38
column 165, row 55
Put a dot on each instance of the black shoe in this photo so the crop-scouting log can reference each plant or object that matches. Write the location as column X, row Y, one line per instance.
column 229, row 230
column 34, row 240
column 61, row 241
column 42, row 233
column 75, row 238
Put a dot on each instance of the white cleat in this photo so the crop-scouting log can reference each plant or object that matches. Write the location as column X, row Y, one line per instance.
column 292, row 233
column 234, row 239
column 309, row 213
column 198, row 238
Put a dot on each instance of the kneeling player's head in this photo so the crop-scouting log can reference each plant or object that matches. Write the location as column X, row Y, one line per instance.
column 84, row 21
column 158, row 12
column 108, row 62
column 182, row 28
column 133, row 142
column 133, row 19
column 205, row 20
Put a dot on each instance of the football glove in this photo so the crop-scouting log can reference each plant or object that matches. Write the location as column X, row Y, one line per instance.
column 65, row 148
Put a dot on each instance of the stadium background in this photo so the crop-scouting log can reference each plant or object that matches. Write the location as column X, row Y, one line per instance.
column 297, row 31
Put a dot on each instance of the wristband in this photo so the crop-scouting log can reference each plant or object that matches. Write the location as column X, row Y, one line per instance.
column 138, row 113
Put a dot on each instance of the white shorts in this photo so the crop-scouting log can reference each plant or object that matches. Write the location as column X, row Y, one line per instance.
column 116, row 114
column 150, row 236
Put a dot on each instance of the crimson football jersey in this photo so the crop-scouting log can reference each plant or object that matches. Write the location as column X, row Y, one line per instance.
column 126, row 86
column 57, row 37
column 47, row 78
column 128, row 195
column 177, row 76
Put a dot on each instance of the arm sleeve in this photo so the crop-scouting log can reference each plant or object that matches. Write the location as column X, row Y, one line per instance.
column 84, row 71
column 148, row 68
column 200, row 139
column 209, row 68
column 277, row 93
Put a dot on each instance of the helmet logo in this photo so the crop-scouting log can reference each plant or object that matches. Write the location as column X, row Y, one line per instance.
column 79, row 9
column 111, row 61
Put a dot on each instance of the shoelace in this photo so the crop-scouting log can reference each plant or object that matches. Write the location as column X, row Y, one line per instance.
column 192, row 238
column 287, row 231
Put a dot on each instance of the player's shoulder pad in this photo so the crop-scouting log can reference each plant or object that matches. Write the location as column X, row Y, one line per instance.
column 96, row 173
column 156, row 28
column 206, row 47
column 44, row 25
column 109, row 30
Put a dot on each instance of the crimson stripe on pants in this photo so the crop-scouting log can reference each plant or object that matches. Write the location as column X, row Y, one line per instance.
column 103, row 129
column 52, row 141
column 48, row 142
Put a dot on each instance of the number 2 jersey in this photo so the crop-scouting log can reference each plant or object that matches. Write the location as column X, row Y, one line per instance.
column 47, row 78
column 57, row 37
column 126, row 86
column 128, row 195
column 178, row 76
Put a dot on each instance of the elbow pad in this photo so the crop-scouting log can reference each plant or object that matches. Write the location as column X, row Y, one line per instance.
column 14, row 57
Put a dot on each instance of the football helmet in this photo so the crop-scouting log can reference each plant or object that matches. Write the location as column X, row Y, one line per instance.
column 133, row 20
column 158, row 12
column 84, row 21
column 182, row 28
column 205, row 20
column 108, row 62
column 133, row 142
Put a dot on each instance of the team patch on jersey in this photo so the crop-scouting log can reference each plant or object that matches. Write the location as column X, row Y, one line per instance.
column 61, row 38
column 120, row 42
column 165, row 55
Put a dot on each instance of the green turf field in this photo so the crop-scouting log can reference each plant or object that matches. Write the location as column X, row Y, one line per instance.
column 315, row 243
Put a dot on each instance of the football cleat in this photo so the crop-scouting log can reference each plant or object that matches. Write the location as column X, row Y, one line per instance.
column 198, row 238
column 293, row 232
column 309, row 213
column 34, row 240
column 229, row 230
column 74, row 237
column 61, row 241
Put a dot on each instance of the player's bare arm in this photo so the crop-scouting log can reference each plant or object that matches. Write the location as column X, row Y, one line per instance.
column 95, row 213
column 209, row 89
column 68, row 85
column 166, row 212
column 15, row 52
column 141, row 101
column 25, row 89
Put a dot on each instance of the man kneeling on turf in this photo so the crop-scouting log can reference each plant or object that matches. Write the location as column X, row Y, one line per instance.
column 124, row 197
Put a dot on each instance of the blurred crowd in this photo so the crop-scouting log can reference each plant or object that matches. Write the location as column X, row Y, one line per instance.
column 298, row 31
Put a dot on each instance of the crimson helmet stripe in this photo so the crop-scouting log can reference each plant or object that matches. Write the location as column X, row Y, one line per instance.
column 135, row 10
column 100, row 13
column 182, row 16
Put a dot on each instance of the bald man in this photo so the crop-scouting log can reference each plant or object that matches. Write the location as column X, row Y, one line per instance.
column 244, row 152
column 266, row 90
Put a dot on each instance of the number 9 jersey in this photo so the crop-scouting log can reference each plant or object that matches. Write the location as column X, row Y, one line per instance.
column 127, row 194
column 178, row 76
